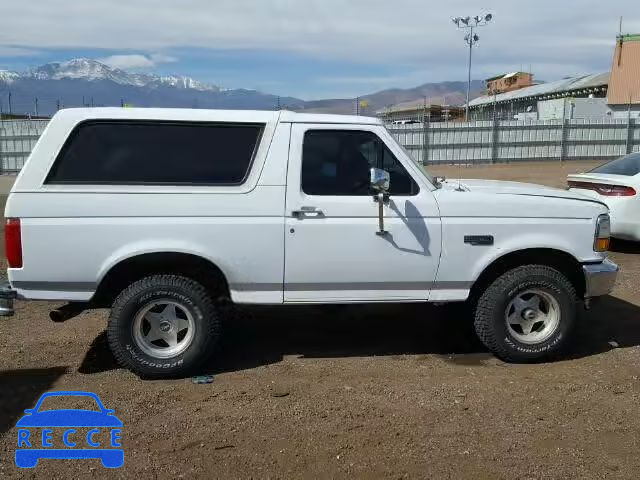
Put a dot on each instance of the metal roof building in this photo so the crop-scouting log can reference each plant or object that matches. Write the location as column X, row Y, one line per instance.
column 581, row 86
column 416, row 110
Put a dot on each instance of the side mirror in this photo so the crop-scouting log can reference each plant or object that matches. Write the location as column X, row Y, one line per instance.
column 380, row 180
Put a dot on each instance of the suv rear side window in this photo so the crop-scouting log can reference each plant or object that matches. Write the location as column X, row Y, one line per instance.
column 337, row 162
column 145, row 152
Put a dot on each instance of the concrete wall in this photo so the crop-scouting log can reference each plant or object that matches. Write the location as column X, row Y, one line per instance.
column 570, row 108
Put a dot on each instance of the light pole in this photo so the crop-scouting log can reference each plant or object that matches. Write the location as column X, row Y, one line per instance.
column 469, row 24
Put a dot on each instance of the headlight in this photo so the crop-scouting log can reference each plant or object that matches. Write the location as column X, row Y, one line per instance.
column 603, row 233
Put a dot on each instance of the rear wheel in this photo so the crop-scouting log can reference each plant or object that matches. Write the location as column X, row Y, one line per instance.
column 163, row 326
column 526, row 314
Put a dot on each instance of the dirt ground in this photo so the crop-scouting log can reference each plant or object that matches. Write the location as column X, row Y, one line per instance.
column 363, row 392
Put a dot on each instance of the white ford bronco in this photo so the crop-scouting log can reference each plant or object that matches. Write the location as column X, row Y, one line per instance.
column 163, row 215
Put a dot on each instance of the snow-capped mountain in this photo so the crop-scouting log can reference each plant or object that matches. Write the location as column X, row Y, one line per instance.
column 86, row 82
column 7, row 76
column 93, row 70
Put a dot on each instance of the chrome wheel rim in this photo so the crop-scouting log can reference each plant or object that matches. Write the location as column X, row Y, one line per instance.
column 163, row 328
column 532, row 316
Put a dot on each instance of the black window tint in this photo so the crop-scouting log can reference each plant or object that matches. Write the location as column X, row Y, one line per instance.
column 156, row 153
column 628, row 165
column 400, row 183
column 337, row 162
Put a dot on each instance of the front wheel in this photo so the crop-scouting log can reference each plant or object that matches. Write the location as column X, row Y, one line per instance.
column 526, row 314
column 163, row 326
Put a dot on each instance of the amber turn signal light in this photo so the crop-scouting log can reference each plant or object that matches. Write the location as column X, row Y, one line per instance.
column 602, row 244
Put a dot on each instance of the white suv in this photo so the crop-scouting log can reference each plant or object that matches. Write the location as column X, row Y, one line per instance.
column 163, row 214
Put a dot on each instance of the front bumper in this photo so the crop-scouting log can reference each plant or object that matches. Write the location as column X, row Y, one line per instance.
column 7, row 294
column 599, row 278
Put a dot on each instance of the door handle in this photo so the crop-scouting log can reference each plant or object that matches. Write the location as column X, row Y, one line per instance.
column 304, row 211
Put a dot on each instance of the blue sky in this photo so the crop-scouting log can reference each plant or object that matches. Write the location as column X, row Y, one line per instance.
column 312, row 48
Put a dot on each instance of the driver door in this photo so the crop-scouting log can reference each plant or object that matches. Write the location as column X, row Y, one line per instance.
column 332, row 251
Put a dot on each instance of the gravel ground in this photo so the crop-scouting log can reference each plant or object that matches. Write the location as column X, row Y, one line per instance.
column 385, row 391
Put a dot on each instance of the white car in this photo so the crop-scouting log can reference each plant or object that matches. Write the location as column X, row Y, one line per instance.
column 167, row 215
column 617, row 184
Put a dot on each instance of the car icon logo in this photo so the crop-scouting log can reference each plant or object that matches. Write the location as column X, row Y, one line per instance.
column 84, row 433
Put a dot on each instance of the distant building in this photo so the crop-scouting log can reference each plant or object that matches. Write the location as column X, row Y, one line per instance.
column 614, row 94
column 508, row 82
column 416, row 110
column 523, row 102
column 624, row 85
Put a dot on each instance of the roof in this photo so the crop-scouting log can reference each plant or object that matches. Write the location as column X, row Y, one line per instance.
column 419, row 104
column 506, row 75
column 624, row 86
column 564, row 85
column 204, row 115
column 293, row 117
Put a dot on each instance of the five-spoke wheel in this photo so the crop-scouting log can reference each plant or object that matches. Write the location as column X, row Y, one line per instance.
column 163, row 328
column 532, row 316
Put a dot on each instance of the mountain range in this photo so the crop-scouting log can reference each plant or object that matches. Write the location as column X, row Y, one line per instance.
column 83, row 81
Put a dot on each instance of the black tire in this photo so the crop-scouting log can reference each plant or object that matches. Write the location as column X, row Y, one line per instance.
column 490, row 321
column 192, row 297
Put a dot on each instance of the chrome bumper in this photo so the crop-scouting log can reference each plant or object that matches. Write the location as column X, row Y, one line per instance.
column 599, row 278
column 7, row 294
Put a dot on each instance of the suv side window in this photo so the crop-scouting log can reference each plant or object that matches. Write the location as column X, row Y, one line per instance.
column 156, row 152
column 337, row 162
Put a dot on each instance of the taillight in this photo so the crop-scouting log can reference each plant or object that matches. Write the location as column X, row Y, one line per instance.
column 604, row 189
column 13, row 242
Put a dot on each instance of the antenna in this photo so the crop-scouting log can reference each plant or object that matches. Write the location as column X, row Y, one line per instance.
column 620, row 26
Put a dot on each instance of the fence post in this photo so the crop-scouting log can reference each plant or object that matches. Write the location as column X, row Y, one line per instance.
column 563, row 139
column 1, row 150
column 495, row 137
column 425, row 141
column 630, row 129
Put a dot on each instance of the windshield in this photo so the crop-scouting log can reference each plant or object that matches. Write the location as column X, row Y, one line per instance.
column 421, row 168
column 628, row 165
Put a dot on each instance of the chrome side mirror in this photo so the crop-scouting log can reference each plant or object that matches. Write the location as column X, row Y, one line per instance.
column 380, row 180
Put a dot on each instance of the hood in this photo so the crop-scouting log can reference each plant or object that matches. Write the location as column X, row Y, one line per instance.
column 500, row 187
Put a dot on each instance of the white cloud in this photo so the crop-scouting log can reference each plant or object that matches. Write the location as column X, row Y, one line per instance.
column 127, row 61
column 136, row 61
column 157, row 58
column 415, row 33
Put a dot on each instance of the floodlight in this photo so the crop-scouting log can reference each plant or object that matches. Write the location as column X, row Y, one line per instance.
column 470, row 24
